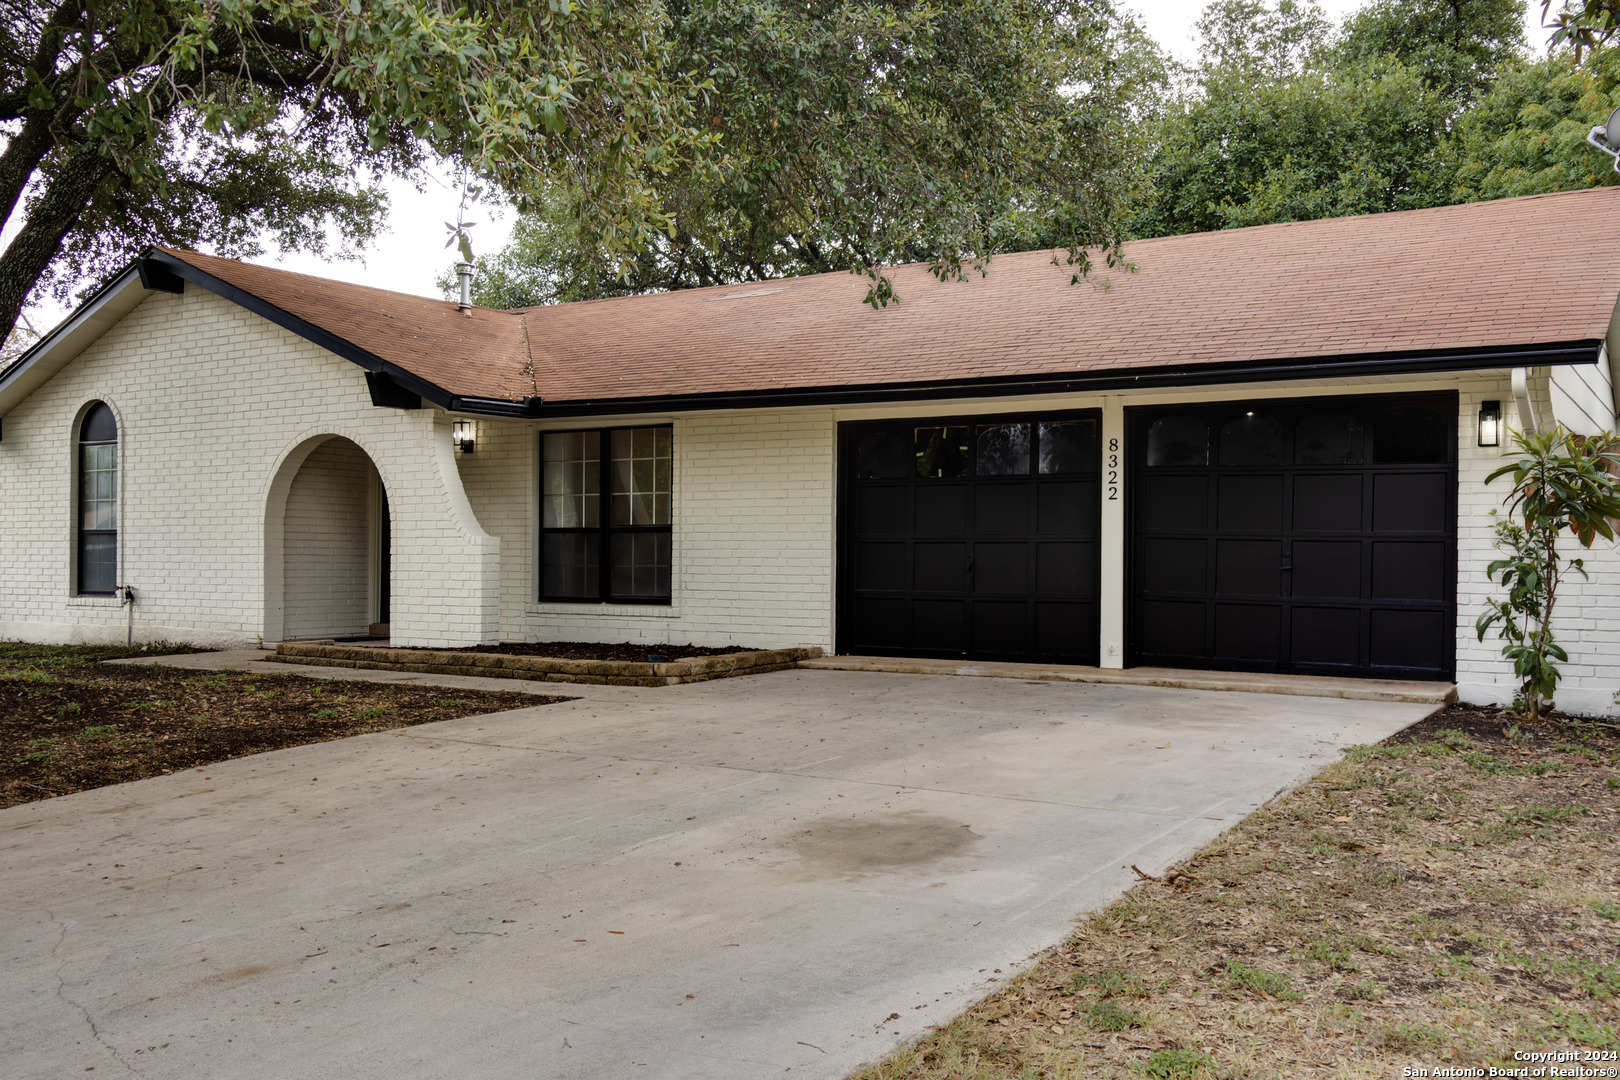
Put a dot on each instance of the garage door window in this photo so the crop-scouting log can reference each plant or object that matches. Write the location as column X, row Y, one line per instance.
column 1178, row 440
column 1328, row 438
column 942, row 452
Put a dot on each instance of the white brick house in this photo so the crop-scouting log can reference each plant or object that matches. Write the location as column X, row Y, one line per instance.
column 1260, row 451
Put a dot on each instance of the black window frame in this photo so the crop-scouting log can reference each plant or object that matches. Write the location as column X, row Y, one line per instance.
column 82, row 497
column 604, row 529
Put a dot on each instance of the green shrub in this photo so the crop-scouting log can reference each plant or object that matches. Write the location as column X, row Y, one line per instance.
column 1242, row 977
column 1176, row 1064
column 1107, row 1015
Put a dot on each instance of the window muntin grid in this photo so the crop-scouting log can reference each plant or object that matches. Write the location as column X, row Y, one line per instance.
column 623, row 555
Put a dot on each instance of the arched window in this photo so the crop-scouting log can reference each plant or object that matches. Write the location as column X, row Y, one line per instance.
column 98, row 502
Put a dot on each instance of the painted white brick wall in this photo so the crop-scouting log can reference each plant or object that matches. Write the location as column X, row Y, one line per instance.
column 216, row 409
column 327, row 538
column 1587, row 620
column 753, row 533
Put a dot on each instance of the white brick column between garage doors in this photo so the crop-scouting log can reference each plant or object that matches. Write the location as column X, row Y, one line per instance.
column 445, row 580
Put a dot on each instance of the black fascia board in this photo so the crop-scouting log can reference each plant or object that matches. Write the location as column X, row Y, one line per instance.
column 1584, row 351
column 327, row 340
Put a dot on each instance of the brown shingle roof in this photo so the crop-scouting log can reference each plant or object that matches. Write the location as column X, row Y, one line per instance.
column 480, row 354
column 1516, row 272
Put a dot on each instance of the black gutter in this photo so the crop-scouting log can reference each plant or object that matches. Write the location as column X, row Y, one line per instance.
column 1362, row 365
column 373, row 363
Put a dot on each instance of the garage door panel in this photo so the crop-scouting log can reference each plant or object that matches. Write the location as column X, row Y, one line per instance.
column 880, row 510
column 1408, row 570
column 880, row 623
column 1327, row 568
column 1066, row 508
column 1001, row 628
column 1065, row 629
column 939, row 624
column 941, row 508
column 939, row 567
column 1176, row 565
column 1249, row 503
column 1408, row 503
column 1248, row 632
column 1327, row 504
column 1412, row 641
column 1001, row 568
column 1175, row 503
column 1326, row 636
column 881, row 566
column 1248, row 567
column 1001, row 509
column 1066, row 568
column 1172, row 628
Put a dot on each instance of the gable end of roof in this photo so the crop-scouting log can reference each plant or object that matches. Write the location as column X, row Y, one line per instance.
column 165, row 264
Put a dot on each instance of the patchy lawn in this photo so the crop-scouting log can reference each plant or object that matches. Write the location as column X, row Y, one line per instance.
column 1448, row 898
column 69, row 722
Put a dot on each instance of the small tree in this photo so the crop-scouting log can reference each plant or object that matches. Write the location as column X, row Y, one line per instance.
column 1561, row 482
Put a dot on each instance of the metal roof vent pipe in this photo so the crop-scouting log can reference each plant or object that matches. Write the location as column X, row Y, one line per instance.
column 464, row 272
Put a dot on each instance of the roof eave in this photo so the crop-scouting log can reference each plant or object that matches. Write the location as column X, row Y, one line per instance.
column 1580, row 351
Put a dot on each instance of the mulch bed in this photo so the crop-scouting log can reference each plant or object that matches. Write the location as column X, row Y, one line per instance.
column 626, row 652
column 68, row 723
column 1449, row 897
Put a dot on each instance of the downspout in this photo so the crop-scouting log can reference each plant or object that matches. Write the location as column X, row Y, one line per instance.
column 1529, row 423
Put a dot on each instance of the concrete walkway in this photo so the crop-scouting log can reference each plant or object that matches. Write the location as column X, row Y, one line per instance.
column 783, row 874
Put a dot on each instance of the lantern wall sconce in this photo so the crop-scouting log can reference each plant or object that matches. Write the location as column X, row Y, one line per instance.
column 1490, row 423
column 464, row 436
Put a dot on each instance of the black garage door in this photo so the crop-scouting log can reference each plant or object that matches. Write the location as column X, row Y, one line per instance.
column 973, row 538
column 1305, row 536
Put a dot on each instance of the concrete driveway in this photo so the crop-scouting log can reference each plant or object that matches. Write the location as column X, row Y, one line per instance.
column 786, row 873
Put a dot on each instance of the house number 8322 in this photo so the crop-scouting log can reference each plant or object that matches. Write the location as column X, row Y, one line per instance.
column 1113, row 470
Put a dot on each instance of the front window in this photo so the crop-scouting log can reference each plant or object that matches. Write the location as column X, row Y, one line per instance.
column 98, row 502
column 620, row 551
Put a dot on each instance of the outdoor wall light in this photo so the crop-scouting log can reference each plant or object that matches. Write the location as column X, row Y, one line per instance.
column 1490, row 423
column 464, row 437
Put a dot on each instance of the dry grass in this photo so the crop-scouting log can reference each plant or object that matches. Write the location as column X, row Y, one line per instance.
column 1446, row 899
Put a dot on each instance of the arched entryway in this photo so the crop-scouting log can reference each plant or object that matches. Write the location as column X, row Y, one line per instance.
column 334, row 544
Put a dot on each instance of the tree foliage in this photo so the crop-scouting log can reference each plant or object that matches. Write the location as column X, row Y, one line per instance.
column 216, row 122
column 1527, row 135
column 852, row 134
column 1457, row 45
column 1289, row 120
column 1560, row 483
column 1316, row 144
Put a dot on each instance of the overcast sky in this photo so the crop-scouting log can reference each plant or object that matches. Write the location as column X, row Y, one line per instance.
column 410, row 254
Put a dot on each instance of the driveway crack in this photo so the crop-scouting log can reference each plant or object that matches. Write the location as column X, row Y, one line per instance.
column 61, row 995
